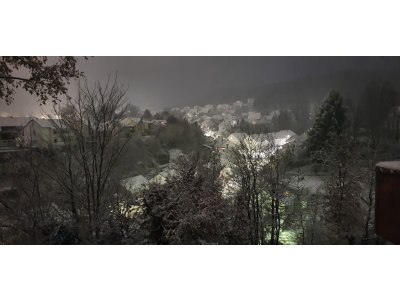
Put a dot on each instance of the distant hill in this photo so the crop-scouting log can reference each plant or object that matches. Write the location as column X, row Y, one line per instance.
column 297, row 93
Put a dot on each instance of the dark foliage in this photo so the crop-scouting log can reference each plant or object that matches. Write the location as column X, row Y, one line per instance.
column 189, row 208
column 44, row 77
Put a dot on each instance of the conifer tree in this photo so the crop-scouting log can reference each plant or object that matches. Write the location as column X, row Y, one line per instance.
column 331, row 121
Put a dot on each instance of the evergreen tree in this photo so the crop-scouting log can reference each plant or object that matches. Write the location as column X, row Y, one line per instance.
column 147, row 115
column 331, row 121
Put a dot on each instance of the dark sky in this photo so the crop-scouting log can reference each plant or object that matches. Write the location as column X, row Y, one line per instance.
column 159, row 82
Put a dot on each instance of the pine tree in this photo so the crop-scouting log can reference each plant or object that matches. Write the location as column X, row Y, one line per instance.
column 331, row 121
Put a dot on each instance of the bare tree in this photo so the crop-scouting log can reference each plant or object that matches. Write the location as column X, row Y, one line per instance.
column 276, row 183
column 246, row 160
column 342, row 205
column 93, row 138
column 259, row 170
column 29, row 212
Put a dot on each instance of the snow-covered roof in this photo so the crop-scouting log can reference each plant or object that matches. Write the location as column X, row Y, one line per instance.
column 280, row 137
column 161, row 178
column 14, row 121
column 389, row 165
column 130, row 121
column 134, row 184
column 283, row 134
column 46, row 123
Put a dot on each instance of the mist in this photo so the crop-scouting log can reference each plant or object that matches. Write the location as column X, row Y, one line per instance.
column 162, row 82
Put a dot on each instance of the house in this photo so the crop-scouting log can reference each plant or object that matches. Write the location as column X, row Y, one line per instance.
column 236, row 137
column 11, row 127
column 283, row 137
column 208, row 124
column 223, row 107
column 175, row 154
column 280, row 138
column 237, row 104
column 134, row 184
column 272, row 114
column 138, row 126
column 217, row 118
column 161, row 178
column 41, row 133
column 206, row 109
column 253, row 117
column 130, row 122
column 224, row 127
column 250, row 102
column 230, row 118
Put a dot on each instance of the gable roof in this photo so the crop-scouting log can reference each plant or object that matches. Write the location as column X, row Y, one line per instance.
column 14, row 121
column 45, row 123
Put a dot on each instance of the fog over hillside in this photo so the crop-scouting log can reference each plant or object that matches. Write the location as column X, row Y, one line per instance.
column 294, row 93
column 162, row 82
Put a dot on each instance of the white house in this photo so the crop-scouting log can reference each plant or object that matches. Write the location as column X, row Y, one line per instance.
column 283, row 137
column 223, row 107
column 272, row 114
column 280, row 138
column 237, row 104
column 161, row 178
column 250, row 102
column 41, row 133
column 11, row 127
column 253, row 116
column 134, row 184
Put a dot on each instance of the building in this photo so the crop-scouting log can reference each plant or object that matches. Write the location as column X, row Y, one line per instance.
column 223, row 107
column 41, row 133
column 206, row 109
column 253, row 117
column 237, row 104
column 284, row 137
column 174, row 154
column 224, row 127
column 280, row 138
column 134, row 184
column 272, row 114
column 250, row 102
column 161, row 178
column 11, row 127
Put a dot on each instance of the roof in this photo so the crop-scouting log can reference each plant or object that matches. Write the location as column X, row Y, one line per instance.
column 14, row 121
column 161, row 178
column 130, row 122
column 237, row 135
column 391, row 166
column 133, row 184
column 280, row 137
column 46, row 123
column 283, row 134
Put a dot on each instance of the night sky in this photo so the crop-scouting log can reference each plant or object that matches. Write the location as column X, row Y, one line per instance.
column 160, row 82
